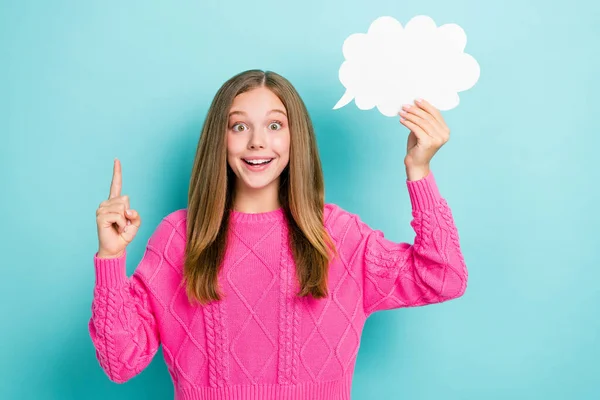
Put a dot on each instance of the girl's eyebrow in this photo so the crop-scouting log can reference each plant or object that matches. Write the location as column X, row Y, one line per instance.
column 270, row 112
column 277, row 111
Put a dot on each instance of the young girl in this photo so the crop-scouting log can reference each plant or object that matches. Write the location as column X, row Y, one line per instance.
column 259, row 290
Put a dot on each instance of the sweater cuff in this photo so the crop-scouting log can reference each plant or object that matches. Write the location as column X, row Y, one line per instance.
column 110, row 272
column 424, row 193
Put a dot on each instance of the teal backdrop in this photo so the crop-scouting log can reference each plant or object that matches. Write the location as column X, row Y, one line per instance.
column 83, row 82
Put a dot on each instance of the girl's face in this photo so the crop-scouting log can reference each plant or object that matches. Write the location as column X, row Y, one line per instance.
column 258, row 140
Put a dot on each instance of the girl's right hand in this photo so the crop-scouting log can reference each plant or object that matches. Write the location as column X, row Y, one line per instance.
column 117, row 223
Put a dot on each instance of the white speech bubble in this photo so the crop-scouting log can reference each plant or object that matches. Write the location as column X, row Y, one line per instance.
column 390, row 66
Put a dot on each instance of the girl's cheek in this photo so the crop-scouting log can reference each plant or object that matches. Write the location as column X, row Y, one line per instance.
column 281, row 141
column 233, row 143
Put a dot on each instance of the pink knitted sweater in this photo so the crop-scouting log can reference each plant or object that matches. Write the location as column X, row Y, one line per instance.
column 260, row 341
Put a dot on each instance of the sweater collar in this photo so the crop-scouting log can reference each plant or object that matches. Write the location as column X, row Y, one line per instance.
column 277, row 215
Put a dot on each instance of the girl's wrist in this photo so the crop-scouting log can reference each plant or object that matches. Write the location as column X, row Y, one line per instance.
column 415, row 173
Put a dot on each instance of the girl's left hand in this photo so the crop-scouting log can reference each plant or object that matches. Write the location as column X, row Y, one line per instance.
column 428, row 132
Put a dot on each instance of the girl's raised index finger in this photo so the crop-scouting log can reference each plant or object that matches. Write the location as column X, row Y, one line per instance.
column 115, row 185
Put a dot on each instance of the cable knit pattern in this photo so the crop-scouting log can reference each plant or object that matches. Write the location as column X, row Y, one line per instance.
column 224, row 375
column 211, row 346
column 261, row 341
column 285, row 316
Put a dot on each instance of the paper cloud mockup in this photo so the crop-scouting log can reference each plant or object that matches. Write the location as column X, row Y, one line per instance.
column 392, row 65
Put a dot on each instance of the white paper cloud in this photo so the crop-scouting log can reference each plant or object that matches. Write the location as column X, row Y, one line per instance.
column 390, row 65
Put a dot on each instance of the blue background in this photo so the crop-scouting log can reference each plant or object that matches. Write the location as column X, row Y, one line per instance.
column 84, row 82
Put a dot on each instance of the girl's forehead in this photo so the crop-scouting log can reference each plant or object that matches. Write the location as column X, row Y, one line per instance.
column 259, row 100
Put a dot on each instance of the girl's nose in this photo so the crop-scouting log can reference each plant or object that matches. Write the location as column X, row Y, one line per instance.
column 257, row 140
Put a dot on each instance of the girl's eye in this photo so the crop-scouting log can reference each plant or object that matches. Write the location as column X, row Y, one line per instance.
column 275, row 126
column 242, row 127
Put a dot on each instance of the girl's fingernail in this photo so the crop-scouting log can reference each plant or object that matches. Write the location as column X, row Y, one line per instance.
column 406, row 106
column 419, row 100
column 128, row 222
column 125, row 229
column 128, row 212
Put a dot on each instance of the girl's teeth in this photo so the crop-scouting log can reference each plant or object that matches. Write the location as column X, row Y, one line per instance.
column 257, row 162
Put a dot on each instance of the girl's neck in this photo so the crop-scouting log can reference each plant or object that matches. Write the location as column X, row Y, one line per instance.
column 250, row 201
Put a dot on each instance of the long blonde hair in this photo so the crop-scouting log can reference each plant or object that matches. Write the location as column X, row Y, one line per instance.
column 210, row 197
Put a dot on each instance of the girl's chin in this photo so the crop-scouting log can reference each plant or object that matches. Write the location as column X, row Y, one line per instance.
column 256, row 183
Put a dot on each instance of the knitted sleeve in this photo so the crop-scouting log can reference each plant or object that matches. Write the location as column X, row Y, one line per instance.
column 431, row 270
column 395, row 275
column 123, row 325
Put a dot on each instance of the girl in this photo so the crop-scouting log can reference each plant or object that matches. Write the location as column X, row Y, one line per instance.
column 259, row 290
